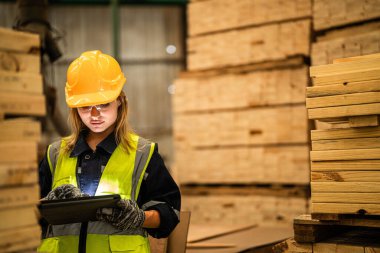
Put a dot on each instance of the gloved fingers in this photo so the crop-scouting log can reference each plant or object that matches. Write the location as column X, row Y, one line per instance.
column 65, row 191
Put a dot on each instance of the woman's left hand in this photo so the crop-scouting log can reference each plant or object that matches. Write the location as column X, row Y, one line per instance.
column 126, row 216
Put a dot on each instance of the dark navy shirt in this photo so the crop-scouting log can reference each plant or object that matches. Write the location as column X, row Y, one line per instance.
column 157, row 186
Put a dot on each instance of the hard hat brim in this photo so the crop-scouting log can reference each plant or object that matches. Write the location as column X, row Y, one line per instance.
column 101, row 97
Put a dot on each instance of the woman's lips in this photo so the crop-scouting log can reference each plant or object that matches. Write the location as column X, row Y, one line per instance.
column 96, row 123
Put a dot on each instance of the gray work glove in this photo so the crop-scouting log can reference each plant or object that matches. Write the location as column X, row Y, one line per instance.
column 125, row 216
column 65, row 191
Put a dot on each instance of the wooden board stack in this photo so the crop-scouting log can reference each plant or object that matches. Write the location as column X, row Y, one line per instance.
column 345, row 28
column 20, row 96
column 239, row 116
column 345, row 160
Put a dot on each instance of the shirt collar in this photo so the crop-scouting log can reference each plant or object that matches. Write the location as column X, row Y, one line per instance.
column 108, row 144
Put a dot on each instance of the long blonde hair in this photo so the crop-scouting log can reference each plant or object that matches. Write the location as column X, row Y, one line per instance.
column 122, row 128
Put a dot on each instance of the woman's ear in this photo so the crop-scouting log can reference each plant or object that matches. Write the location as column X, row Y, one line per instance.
column 118, row 102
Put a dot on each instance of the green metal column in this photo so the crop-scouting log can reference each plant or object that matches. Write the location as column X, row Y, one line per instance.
column 115, row 29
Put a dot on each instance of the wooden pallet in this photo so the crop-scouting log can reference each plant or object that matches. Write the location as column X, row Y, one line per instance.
column 317, row 227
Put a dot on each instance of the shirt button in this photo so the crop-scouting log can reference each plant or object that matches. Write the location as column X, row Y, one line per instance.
column 87, row 157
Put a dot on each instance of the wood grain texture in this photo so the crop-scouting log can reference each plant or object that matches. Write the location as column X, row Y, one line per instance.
column 22, row 104
column 340, row 89
column 344, row 144
column 353, row 165
column 344, row 111
column 333, row 134
column 18, row 41
column 348, row 43
column 336, row 13
column 230, row 91
column 349, row 154
column 277, row 164
column 276, row 125
column 346, row 176
column 216, row 15
column 245, row 46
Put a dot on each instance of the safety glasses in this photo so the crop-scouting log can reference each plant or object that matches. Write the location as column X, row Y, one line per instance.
column 100, row 108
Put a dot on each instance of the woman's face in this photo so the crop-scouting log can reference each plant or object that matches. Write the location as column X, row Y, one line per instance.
column 99, row 118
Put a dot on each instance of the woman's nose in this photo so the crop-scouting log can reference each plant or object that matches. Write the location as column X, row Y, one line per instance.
column 94, row 112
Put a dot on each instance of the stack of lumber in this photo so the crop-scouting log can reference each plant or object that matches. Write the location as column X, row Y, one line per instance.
column 345, row 28
column 238, row 110
column 20, row 97
column 345, row 166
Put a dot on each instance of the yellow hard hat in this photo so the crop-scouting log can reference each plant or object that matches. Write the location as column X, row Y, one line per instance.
column 93, row 78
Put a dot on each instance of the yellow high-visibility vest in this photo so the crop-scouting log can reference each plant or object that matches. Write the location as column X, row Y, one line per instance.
column 122, row 175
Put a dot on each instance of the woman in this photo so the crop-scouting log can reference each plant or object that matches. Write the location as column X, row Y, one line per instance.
column 103, row 156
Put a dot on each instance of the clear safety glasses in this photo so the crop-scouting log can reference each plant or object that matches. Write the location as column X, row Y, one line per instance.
column 100, row 108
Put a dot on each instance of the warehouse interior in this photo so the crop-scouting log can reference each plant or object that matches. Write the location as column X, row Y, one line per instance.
column 265, row 113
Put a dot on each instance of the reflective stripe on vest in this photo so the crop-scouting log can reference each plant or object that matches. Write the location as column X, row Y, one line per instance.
column 122, row 175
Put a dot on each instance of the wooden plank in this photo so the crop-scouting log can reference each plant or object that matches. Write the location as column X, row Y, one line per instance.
column 364, row 121
column 17, row 62
column 22, row 104
column 245, row 127
column 357, row 58
column 371, row 209
column 17, row 174
column 340, row 89
column 367, row 198
column 343, row 78
column 24, row 42
column 198, row 233
column 345, row 68
column 351, row 154
column 358, row 143
column 267, row 164
column 11, row 197
column 20, row 82
column 346, row 99
column 216, row 15
column 12, row 236
column 18, row 151
column 354, row 165
column 28, row 130
column 328, row 14
column 18, row 217
column 346, row 176
column 339, row 219
column 332, row 134
column 244, row 90
column 266, row 43
column 355, row 187
column 343, row 111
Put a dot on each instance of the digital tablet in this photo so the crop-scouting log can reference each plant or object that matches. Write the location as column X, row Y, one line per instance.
column 65, row 211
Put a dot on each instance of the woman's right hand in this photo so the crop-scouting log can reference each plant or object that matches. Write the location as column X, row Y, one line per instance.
column 65, row 191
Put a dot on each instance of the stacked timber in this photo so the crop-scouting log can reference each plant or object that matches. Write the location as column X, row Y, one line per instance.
column 240, row 124
column 345, row 167
column 20, row 98
column 345, row 28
